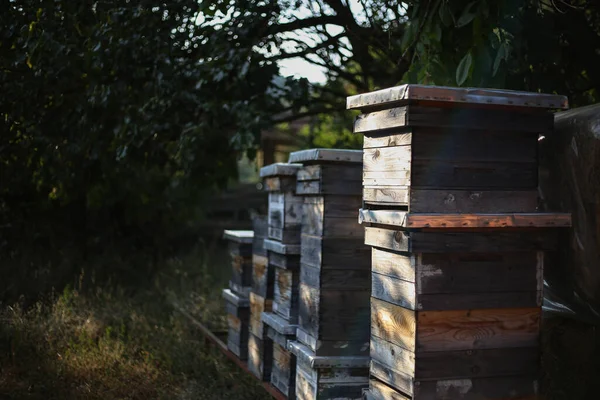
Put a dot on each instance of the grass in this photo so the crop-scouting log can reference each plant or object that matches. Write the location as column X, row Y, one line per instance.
column 109, row 343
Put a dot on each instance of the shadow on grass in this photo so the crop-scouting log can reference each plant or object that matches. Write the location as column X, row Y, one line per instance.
column 103, row 343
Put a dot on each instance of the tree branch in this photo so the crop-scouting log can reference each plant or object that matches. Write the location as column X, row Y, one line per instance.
column 304, row 23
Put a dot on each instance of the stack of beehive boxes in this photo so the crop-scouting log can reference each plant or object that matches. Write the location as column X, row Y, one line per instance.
column 236, row 297
column 458, row 245
column 283, row 253
column 260, row 352
column 333, row 333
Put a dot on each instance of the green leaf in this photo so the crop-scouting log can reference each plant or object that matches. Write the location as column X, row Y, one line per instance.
column 466, row 16
column 499, row 57
column 446, row 15
column 462, row 72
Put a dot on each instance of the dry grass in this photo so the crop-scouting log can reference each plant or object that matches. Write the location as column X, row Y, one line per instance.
column 110, row 344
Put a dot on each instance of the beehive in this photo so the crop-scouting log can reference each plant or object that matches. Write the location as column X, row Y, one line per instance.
column 334, row 272
column 283, row 372
column 240, row 251
column 285, row 208
column 238, row 321
column 458, row 245
column 331, row 377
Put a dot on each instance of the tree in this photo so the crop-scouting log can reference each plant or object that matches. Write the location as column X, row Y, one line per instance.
column 115, row 121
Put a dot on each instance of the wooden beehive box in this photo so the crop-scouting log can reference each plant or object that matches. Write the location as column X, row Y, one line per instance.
column 283, row 371
column 321, row 378
column 458, row 247
column 452, row 150
column 260, row 352
column 238, row 321
column 285, row 208
column 240, row 250
column 284, row 258
column 334, row 273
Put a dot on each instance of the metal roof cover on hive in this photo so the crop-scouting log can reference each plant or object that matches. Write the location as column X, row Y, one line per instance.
column 316, row 156
column 404, row 94
column 279, row 169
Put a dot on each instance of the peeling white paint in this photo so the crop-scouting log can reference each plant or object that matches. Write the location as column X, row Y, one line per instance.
column 429, row 273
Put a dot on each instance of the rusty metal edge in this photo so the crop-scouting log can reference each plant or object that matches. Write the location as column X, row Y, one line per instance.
column 222, row 346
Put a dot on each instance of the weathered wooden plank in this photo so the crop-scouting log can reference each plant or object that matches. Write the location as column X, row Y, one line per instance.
column 455, row 330
column 334, row 315
column 285, row 210
column 284, row 261
column 494, row 272
column 309, row 173
column 289, row 235
column 263, row 277
column 438, row 96
column 331, row 227
column 386, row 195
column 333, row 348
column 334, row 253
column 240, row 351
column 478, row 329
column 484, row 119
column 237, row 335
column 396, row 240
column 395, row 380
column 286, row 294
column 258, row 305
column 348, row 188
column 279, row 169
column 392, row 264
column 387, row 178
column 395, row 324
column 279, row 184
column 240, row 249
column 281, row 248
column 335, row 279
column 241, row 270
column 477, row 363
column 386, row 159
column 395, row 291
column 466, row 201
column 461, row 242
column 398, row 138
column 499, row 388
column 473, row 145
column 504, row 220
column 381, row 391
column 260, row 357
column 334, row 206
column 454, row 364
column 475, row 175
column 484, row 242
column 239, row 237
column 242, row 291
column 283, row 375
column 305, row 355
column 235, row 298
column 322, row 156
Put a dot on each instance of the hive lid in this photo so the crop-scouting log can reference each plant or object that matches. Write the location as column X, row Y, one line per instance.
column 404, row 94
column 280, row 248
column 234, row 299
column 307, row 355
column 239, row 236
column 279, row 169
column 315, row 156
column 278, row 323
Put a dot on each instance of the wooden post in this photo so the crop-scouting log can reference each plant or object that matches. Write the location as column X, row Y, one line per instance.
column 333, row 325
column 458, row 245
column 283, row 259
